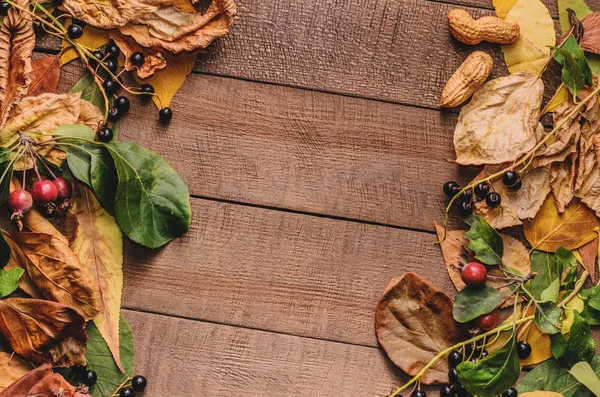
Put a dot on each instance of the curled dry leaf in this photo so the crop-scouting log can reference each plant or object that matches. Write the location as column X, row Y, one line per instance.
column 57, row 272
column 44, row 332
column 53, row 385
column 17, row 41
column 45, row 75
column 109, row 14
column 550, row 230
column 414, row 323
column 500, row 122
column 591, row 37
column 12, row 369
column 22, row 386
column 154, row 59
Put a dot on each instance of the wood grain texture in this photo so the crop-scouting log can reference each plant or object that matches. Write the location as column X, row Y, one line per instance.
column 302, row 150
column 279, row 271
column 183, row 357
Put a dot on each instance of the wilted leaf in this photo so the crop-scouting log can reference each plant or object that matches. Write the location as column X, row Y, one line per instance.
column 9, row 281
column 414, row 323
column 585, row 374
column 12, row 369
column 57, row 272
column 45, row 75
column 587, row 255
column 92, row 38
column 154, row 59
column 551, row 376
column 43, row 331
column 500, row 122
column 22, row 386
column 110, row 14
column 52, row 386
column 591, row 27
column 571, row 229
column 17, row 41
column 589, row 192
column 99, row 246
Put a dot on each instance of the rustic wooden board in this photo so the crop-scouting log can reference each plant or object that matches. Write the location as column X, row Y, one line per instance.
column 183, row 357
column 290, row 273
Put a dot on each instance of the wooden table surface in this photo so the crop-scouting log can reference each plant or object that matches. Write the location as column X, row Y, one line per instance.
column 315, row 153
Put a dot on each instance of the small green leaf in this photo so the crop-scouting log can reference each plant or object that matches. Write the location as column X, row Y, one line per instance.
column 581, row 345
column 558, row 344
column 593, row 297
column 571, row 75
column 484, row 240
column 152, row 205
column 547, row 270
column 572, row 46
column 547, row 317
column 9, row 281
column 6, row 172
column 471, row 303
column 550, row 294
column 584, row 373
column 492, row 375
column 101, row 360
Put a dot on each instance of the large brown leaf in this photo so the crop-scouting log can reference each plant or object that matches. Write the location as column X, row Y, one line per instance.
column 44, row 332
column 52, row 386
column 12, row 368
column 109, row 14
column 57, row 272
column 18, row 259
column 99, row 246
column 22, row 386
column 414, row 323
column 591, row 33
column 45, row 75
column 17, row 41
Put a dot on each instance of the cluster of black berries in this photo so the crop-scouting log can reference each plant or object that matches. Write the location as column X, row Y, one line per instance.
column 465, row 202
column 138, row 384
column 89, row 378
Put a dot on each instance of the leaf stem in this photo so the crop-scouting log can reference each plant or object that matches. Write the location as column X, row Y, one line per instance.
column 578, row 287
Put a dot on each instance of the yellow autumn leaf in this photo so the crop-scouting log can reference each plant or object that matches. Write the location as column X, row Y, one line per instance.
column 574, row 304
column 550, row 230
column 532, row 51
column 168, row 81
column 503, row 7
column 92, row 38
column 99, row 246
column 561, row 96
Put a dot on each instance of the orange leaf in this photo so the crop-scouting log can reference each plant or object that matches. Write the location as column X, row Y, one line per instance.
column 45, row 75
column 12, row 369
column 22, row 386
column 587, row 255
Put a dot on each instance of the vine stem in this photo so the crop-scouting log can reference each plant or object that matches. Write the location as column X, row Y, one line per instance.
column 497, row 330
column 578, row 287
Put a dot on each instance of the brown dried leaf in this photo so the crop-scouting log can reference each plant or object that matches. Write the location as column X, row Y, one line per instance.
column 52, row 386
column 109, row 14
column 18, row 259
column 591, row 36
column 57, row 272
column 414, row 323
column 587, row 255
column 12, row 368
column 500, row 122
column 589, row 192
column 45, row 75
column 22, row 386
column 596, row 143
column 154, row 59
column 566, row 138
column 44, row 332
column 17, row 41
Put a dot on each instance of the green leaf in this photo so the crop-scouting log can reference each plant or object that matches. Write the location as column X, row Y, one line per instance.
column 580, row 8
column 584, row 373
column 547, row 317
column 6, row 172
column 547, row 269
column 571, row 75
column 492, row 375
column 484, row 240
column 100, row 359
column 573, row 48
column 9, row 281
column 152, row 204
column 4, row 251
column 90, row 91
column 558, row 344
column 550, row 294
column 593, row 297
column 567, row 263
column 551, row 376
column 581, row 345
column 471, row 303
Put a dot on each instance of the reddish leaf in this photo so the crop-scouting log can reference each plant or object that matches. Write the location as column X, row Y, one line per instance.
column 52, row 386
column 23, row 385
column 591, row 33
column 45, row 75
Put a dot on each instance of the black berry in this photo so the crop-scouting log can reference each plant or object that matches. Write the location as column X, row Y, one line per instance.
column 523, row 350
column 122, row 103
column 112, row 66
column 139, row 383
column 482, row 189
column 127, row 392
column 453, row 375
column 165, row 115
column 113, row 114
column 112, row 51
column 110, row 86
column 96, row 58
column 466, row 196
column 105, row 135
column 516, row 186
column 4, row 7
column 464, row 209
column 147, row 89
column 512, row 392
column 455, row 358
column 418, row 393
column 451, row 188
column 510, row 178
column 89, row 378
column 493, row 200
column 137, row 59
column 447, row 391
column 74, row 31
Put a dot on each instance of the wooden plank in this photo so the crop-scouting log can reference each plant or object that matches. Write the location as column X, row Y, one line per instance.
column 278, row 271
column 182, row 356
column 302, row 150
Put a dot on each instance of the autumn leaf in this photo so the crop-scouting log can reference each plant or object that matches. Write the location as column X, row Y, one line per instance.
column 92, row 38
column 22, row 386
column 578, row 6
column 550, row 230
column 414, row 323
column 109, row 14
column 12, row 369
column 503, row 7
column 57, row 271
column 99, row 246
column 18, row 260
column 50, row 385
column 532, row 51
column 591, row 27
column 587, row 255
column 154, row 59
column 43, row 331
column 17, row 41
column 500, row 122
column 45, row 75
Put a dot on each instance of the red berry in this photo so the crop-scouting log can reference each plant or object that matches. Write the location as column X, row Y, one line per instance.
column 44, row 192
column 488, row 322
column 474, row 275
column 20, row 202
column 63, row 187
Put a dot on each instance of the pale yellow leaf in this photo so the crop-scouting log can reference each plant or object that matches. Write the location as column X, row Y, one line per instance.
column 532, row 51
column 503, row 7
column 561, row 96
column 574, row 304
